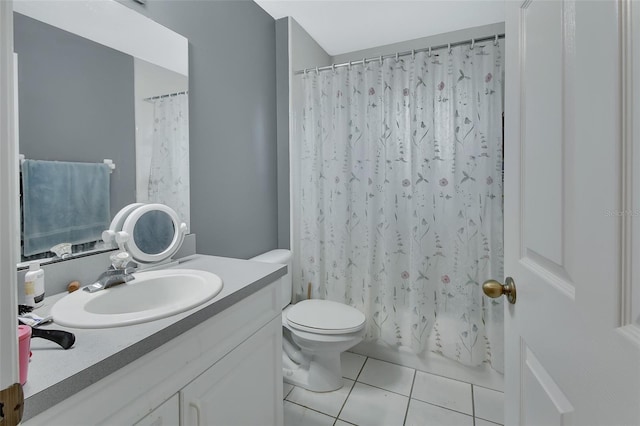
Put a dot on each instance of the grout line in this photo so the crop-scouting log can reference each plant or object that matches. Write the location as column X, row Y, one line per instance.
column 344, row 421
column 361, row 368
column 406, row 413
column 491, row 389
column 490, row 421
column 290, row 390
column 428, row 372
column 350, row 390
column 446, row 408
column 312, row 409
column 473, row 406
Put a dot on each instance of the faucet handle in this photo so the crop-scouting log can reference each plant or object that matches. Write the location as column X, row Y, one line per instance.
column 120, row 260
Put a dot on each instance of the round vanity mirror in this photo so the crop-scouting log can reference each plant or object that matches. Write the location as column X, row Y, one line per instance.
column 154, row 233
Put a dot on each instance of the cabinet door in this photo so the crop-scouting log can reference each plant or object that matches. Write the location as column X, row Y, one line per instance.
column 244, row 388
column 167, row 414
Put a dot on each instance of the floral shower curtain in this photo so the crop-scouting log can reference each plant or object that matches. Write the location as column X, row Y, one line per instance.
column 398, row 196
column 169, row 175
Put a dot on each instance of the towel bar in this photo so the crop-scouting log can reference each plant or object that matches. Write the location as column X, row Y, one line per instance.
column 106, row 161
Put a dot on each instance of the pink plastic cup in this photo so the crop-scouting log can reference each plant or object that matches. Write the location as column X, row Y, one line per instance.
column 24, row 351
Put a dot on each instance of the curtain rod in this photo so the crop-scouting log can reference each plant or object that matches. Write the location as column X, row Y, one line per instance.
column 399, row 54
column 166, row 96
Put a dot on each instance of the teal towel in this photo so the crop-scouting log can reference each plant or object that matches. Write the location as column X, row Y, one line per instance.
column 63, row 202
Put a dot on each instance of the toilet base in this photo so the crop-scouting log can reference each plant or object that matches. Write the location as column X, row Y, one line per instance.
column 323, row 373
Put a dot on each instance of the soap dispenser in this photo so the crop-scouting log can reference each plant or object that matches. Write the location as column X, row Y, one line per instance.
column 34, row 285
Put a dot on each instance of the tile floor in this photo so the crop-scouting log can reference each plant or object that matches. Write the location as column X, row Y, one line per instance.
column 379, row 393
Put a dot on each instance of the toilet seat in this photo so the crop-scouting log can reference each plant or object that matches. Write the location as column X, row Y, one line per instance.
column 325, row 317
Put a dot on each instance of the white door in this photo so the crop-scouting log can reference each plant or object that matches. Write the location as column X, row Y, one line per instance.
column 572, row 352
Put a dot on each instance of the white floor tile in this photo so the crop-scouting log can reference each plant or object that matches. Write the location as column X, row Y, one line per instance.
column 480, row 422
column 442, row 391
column 326, row 402
column 387, row 376
column 369, row 406
column 423, row 414
column 286, row 388
column 489, row 404
column 295, row 415
column 351, row 364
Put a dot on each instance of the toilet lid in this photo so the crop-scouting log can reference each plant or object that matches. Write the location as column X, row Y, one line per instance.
column 325, row 317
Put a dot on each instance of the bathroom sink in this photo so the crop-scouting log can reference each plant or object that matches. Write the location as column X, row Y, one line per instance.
column 150, row 296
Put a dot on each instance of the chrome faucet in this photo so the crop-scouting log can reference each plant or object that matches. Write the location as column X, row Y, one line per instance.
column 118, row 273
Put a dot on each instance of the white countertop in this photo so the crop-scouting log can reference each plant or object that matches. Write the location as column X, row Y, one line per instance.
column 56, row 374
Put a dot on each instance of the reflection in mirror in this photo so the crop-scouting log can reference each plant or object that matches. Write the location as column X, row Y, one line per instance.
column 162, row 137
column 87, row 93
column 154, row 232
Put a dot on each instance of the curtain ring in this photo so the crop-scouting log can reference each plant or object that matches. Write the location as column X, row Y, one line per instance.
column 473, row 43
column 429, row 51
column 333, row 67
column 317, row 71
column 305, row 71
column 364, row 61
column 397, row 56
column 495, row 42
column 381, row 60
column 413, row 54
column 449, row 48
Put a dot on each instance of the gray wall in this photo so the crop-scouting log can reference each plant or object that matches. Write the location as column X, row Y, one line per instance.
column 232, row 121
column 302, row 52
column 295, row 50
column 305, row 51
column 76, row 102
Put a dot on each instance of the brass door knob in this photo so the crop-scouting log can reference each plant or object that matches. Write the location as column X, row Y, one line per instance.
column 493, row 289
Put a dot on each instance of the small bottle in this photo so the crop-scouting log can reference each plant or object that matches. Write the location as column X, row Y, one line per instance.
column 34, row 285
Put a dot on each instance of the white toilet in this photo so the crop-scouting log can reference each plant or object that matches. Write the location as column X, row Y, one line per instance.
column 315, row 333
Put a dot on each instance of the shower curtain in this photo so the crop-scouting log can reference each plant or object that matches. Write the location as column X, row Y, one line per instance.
column 398, row 198
column 169, row 174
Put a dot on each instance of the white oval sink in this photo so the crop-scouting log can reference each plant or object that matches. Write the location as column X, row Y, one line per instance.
column 150, row 296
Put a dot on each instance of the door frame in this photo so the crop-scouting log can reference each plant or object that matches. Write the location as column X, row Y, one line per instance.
column 8, row 212
column 630, row 175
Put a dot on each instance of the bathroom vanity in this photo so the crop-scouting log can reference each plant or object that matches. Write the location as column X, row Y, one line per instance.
column 193, row 368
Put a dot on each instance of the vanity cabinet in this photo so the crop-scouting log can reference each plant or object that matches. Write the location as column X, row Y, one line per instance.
column 242, row 388
column 167, row 414
column 227, row 370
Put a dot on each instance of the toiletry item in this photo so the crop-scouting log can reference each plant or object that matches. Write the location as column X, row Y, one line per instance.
column 34, row 285
column 24, row 351
column 62, row 250
column 28, row 293
column 34, row 320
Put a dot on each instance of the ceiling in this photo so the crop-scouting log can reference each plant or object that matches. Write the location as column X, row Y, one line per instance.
column 346, row 26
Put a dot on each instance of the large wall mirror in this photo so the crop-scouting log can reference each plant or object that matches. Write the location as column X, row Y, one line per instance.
column 96, row 81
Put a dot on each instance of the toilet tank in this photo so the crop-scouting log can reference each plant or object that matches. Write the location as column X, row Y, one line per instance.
column 282, row 256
